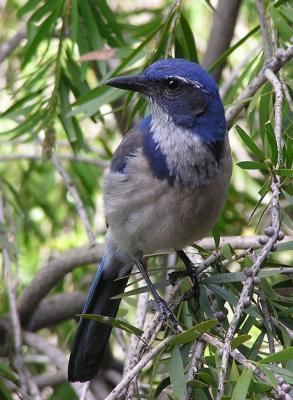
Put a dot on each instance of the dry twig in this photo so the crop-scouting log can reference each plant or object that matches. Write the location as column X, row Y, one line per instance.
column 27, row 384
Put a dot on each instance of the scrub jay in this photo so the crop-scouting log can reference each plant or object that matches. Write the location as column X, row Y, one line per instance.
column 167, row 184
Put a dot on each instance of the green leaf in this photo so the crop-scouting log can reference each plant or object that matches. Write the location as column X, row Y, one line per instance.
column 285, row 246
column 177, row 377
column 42, row 33
column 48, row 6
column 143, row 289
column 161, row 386
column 186, row 38
column 251, row 165
column 237, row 341
column 231, row 298
column 111, row 19
column 227, row 252
column 5, row 393
column 164, row 36
column 117, row 323
column 6, row 372
column 225, row 55
column 74, row 20
column 27, row 7
column 191, row 334
column 281, row 24
column 283, row 355
column 232, row 277
column 249, row 142
column 257, row 387
column 242, row 385
column 288, row 197
column 272, row 143
column 284, row 172
column 197, row 384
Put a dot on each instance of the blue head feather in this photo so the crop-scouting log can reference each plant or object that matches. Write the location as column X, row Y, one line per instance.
column 197, row 106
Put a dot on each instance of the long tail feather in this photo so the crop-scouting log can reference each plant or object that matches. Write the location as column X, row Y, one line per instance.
column 92, row 337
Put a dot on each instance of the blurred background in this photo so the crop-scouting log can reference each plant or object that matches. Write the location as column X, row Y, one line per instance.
column 59, row 126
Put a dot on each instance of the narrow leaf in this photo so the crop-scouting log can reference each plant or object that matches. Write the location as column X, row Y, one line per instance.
column 249, row 142
column 191, row 334
column 117, row 323
column 283, row 355
column 251, row 165
column 177, row 377
column 242, row 385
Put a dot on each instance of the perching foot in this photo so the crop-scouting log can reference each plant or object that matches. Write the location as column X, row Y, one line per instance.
column 166, row 314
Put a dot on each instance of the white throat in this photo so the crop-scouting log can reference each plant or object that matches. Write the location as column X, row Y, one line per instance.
column 187, row 156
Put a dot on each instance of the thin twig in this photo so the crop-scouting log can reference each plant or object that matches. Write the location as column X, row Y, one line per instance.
column 275, row 217
column 267, row 319
column 266, row 38
column 237, row 356
column 274, row 64
column 195, row 363
column 27, row 384
column 55, row 355
column 75, row 196
column 152, row 352
column 141, row 312
column 10, row 45
column 286, row 90
column 69, row 157
column 278, row 110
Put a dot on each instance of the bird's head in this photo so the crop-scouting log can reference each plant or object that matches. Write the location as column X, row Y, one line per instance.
column 183, row 91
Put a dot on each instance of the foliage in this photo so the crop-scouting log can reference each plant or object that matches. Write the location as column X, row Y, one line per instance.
column 54, row 104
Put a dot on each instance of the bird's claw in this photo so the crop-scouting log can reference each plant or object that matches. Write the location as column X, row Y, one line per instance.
column 166, row 314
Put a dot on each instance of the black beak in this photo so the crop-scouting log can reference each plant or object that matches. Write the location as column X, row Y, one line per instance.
column 136, row 83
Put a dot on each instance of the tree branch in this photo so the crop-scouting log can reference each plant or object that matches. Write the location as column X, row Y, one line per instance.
column 27, row 384
column 11, row 44
column 55, row 355
column 274, row 64
column 275, row 209
column 49, row 276
column 75, row 196
column 224, row 21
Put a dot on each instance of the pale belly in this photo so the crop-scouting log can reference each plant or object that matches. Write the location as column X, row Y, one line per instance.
column 145, row 214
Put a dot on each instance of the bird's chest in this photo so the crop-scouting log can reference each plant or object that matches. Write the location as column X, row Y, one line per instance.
column 187, row 160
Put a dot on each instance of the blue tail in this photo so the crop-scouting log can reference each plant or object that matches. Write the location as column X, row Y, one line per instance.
column 92, row 337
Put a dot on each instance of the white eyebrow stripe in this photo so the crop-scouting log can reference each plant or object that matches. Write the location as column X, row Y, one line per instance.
column 195, row 83
column 180, row 78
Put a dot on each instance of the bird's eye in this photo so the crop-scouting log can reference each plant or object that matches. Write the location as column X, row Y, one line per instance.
column 172, row 84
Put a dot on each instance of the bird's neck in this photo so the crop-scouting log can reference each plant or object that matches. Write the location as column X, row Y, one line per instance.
column 184, row 156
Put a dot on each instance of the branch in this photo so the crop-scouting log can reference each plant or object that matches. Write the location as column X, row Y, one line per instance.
column 195, row 364
column 274, row 64
column 224, row 21
column 10, row 45
column 266, row 38
column 237, row 356
column 49, row 276
column 55, row 269
column 138, row 367
column 75, row 196
column 236, row 242
column 55, row 355
column 275, row 216
column 69, row 157
column 27, row 384
column 55, row 309
column 267, row 319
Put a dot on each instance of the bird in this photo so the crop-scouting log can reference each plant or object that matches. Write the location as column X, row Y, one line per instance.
column 166, row 186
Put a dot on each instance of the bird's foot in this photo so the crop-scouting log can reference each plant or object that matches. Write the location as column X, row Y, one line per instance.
column 166, row 314
column 174, row 276
column 191, row 271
